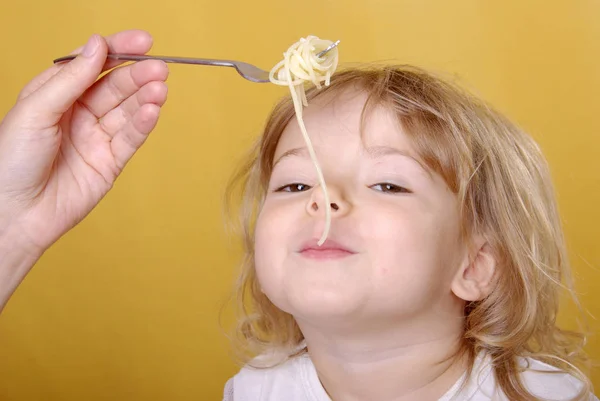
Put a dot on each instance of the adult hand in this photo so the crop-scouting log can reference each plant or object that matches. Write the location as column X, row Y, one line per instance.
column 67, row 139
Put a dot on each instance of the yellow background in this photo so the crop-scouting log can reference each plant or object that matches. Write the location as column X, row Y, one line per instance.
column 125, row 307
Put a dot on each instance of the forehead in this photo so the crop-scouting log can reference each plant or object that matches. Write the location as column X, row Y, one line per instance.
column 335, row 120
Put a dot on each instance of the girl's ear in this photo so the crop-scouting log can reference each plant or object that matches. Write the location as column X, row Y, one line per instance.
column 474, row 280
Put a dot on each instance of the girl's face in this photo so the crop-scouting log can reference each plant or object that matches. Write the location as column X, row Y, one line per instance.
column 394, row 247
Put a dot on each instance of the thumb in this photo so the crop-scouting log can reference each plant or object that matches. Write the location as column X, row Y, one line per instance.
column 59, row 93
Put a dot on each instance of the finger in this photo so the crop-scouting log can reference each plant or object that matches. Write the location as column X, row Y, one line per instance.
column 120, row 84
column 127, row 141
column 115, row 120
column 38, row 81
column 133, row 41
column 53, row 99
column 130, row 41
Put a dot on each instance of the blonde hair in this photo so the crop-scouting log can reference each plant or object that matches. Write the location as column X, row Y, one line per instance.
column 505, row 190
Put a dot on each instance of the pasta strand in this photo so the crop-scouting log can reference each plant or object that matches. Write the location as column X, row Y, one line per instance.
column 301, row 64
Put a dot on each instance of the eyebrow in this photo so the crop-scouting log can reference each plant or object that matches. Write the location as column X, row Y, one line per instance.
column 303, row 151
column 372, row 152
column 381, row 151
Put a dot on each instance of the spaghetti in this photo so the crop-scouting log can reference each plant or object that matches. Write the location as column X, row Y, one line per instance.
column 301, row 64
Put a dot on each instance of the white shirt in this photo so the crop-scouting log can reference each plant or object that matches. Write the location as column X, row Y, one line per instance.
column 297, row 380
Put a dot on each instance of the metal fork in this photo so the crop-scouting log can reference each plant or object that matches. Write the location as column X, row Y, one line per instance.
column 248, row 71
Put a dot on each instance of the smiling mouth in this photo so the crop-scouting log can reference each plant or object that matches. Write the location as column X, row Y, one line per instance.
column 329, row 250
column 325, row 253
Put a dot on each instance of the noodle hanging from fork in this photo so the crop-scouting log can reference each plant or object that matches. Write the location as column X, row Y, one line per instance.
column 301, row 64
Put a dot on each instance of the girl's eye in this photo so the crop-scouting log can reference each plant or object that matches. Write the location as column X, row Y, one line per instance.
column 293, row 188
column 390, row 188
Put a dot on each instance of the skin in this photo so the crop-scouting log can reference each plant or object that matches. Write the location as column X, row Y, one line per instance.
column 65, row 142
column 378, row 316
column 381, row 303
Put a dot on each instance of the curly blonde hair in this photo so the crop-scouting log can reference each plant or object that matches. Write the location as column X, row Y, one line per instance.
column 505, row 190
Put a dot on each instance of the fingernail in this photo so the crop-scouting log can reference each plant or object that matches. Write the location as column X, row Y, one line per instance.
column 91, row 47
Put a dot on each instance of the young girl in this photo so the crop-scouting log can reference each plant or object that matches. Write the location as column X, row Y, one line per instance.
column 441, row 274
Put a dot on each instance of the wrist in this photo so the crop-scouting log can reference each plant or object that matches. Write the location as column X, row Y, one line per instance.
column 16, row 260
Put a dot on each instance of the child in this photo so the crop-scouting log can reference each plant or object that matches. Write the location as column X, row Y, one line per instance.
column 441, row 274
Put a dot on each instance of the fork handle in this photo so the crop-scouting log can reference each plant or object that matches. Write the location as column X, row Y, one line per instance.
column 167, row 59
